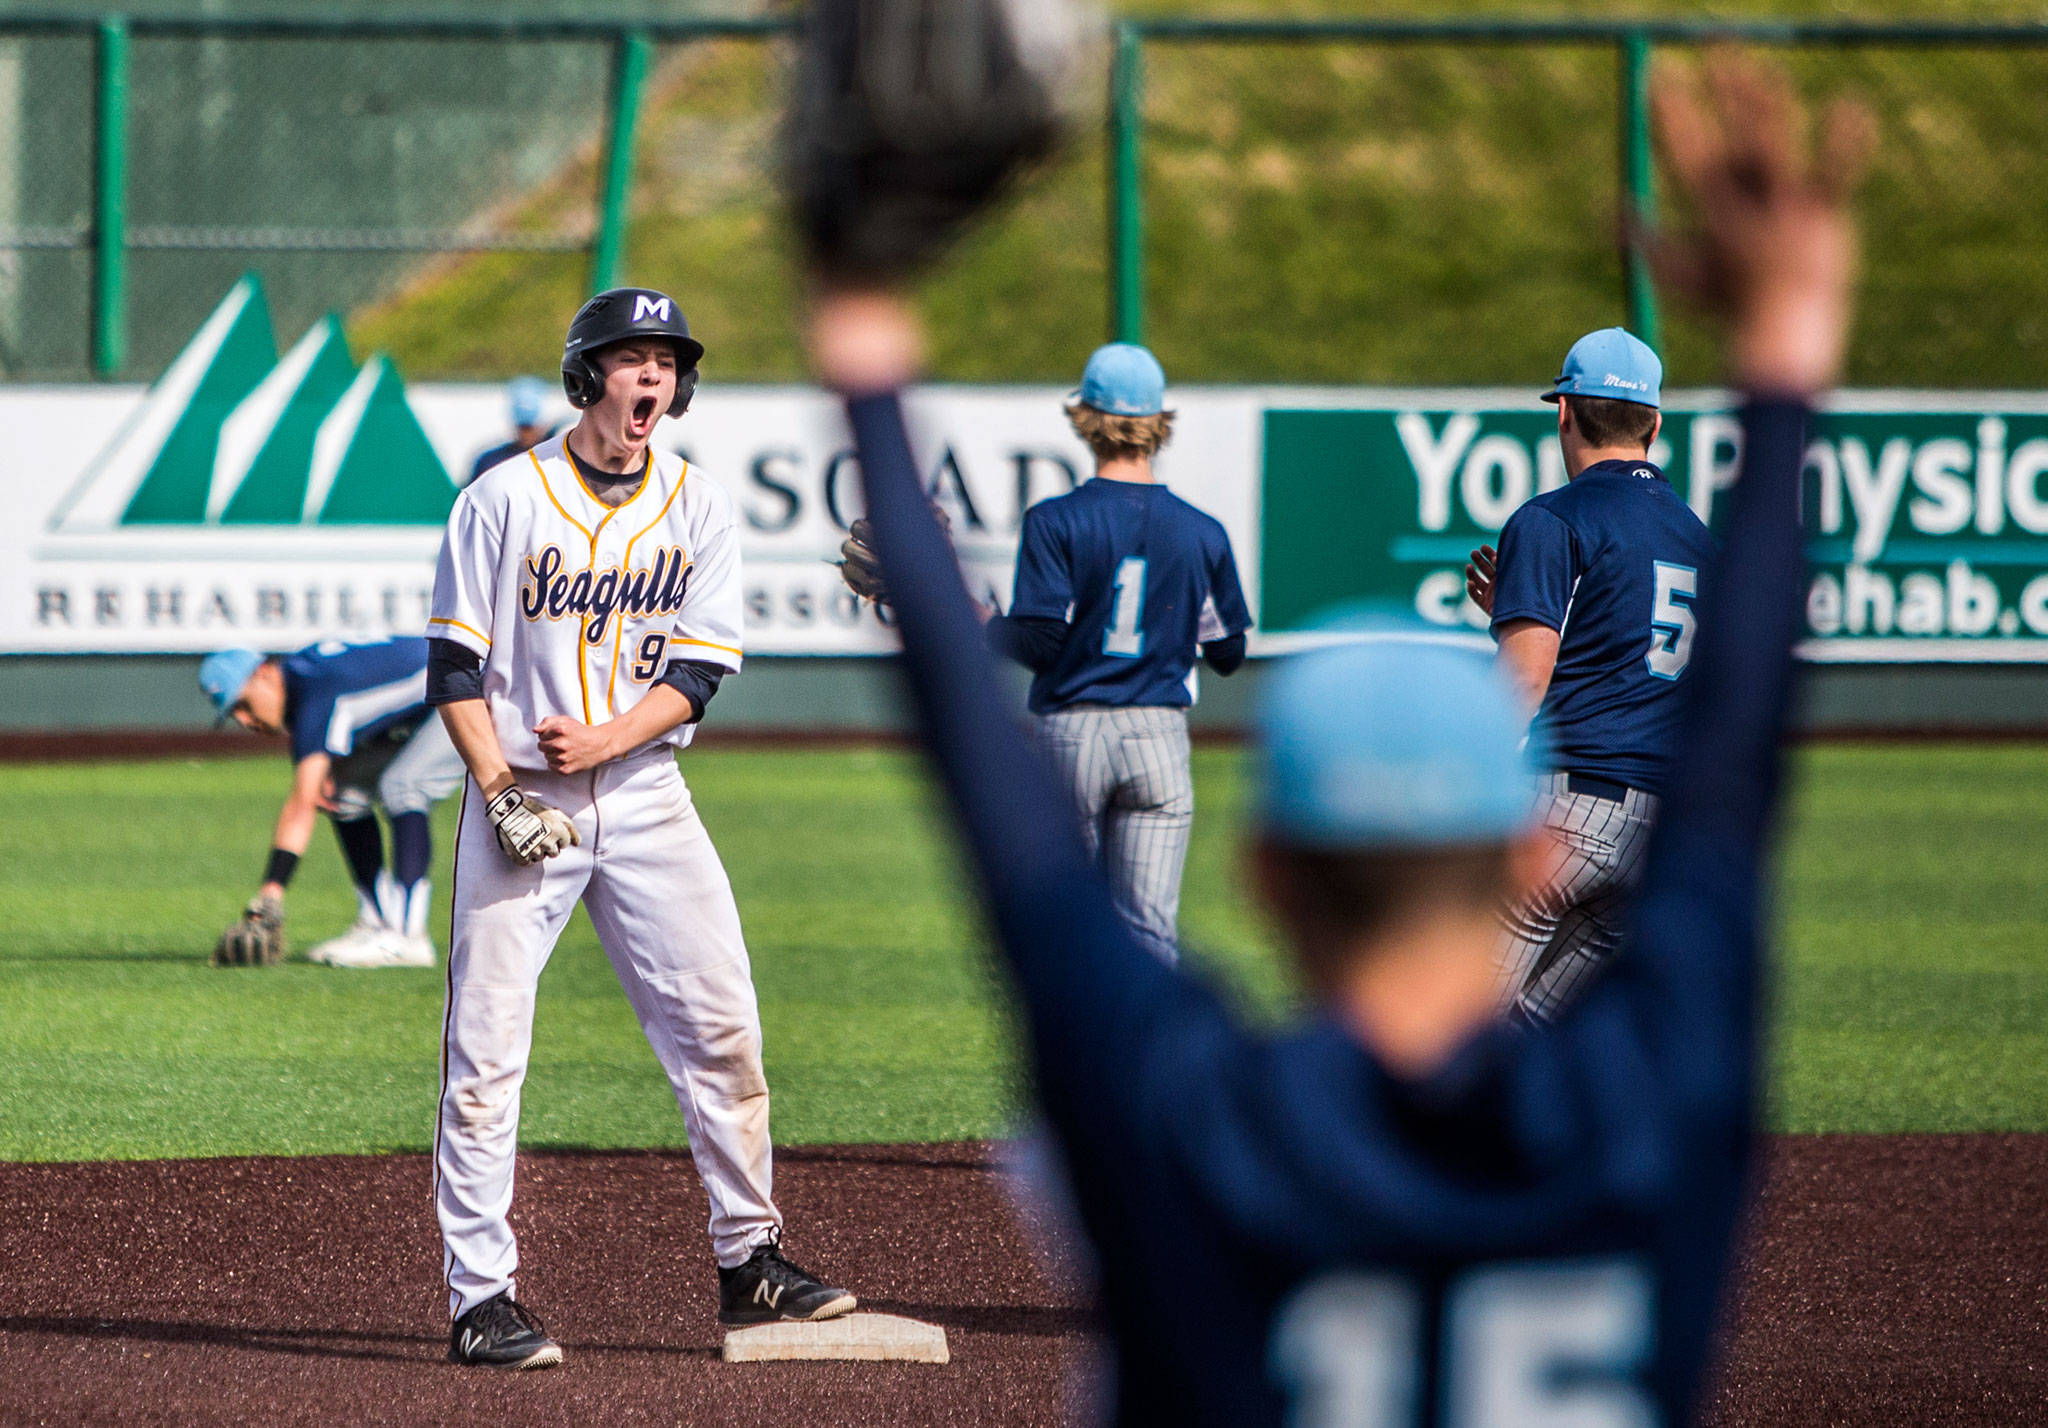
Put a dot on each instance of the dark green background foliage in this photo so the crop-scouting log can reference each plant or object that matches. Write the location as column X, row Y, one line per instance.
column 1327, row 213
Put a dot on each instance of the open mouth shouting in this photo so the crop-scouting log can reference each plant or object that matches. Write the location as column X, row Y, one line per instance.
column 640, row 418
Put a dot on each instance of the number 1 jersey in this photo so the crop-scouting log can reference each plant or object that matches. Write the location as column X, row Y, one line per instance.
column 1142, row 577
column 577, row 607
column 1612, row 563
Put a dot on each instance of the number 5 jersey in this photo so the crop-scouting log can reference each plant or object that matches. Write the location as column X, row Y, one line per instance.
column 1612, row 562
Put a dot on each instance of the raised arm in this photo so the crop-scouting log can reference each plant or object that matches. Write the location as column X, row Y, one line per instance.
column 1088, row 990
column 1776, row 257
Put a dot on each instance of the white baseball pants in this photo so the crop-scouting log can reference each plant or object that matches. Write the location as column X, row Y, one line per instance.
column 664, row 912
column 406, row 776
column 1571, row 926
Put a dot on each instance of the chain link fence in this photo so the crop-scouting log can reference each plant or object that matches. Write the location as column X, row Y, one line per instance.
column 1366, row 203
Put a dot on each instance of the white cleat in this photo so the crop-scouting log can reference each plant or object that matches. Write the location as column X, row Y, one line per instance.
column 338, row 951
column 385, row 948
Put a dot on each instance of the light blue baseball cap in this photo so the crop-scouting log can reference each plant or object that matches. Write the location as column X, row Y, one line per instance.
column 224, row 674
column 1612, row 362
column 528, row 399
column 1124, row 380
column 1393, row 738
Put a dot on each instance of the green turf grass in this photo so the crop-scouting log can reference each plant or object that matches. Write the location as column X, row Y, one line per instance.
column 1914, row 994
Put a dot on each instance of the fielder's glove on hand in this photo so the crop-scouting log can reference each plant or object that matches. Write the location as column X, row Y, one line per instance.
column 910, row 115
column 529, row 830
column 859, row 566
column 256, row 940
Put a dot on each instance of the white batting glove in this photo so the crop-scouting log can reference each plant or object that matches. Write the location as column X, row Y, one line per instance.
column 528, row 830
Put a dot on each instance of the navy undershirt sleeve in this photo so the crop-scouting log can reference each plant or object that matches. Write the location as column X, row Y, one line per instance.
column 694, row 679
column 1032, row 640
column 1224, row 656
column 454, row 672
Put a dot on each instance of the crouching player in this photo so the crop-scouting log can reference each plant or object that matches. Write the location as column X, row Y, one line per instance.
column 1406, row 1210
column 361, row 737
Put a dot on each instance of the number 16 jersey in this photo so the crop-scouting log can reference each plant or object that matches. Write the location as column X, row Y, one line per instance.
column 577, row 607
column 1611, row 562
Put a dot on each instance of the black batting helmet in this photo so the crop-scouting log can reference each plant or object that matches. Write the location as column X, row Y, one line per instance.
column 616, row 316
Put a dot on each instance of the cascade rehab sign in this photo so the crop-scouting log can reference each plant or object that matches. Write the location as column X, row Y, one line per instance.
column 1927, row 512
column 253, row 496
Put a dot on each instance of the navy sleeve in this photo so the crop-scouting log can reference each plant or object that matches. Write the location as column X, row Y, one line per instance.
column 1032, row 641
column 1094, row 1001
column 1228, row 592
column 1537, row 568
column 309, row 707
column 696, row 680
column 1694, row 956
column 454, row 672
column 1045, row 584
column 1224, row 656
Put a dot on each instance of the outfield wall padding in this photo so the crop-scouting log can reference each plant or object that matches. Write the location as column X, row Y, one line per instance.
column 67, row 694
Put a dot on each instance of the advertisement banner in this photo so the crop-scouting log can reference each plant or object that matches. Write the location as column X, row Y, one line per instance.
column 273, row 497
column 99, row 554
column 1929, row 511
column 270, row 498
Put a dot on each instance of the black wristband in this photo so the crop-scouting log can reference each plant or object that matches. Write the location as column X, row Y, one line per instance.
column 280, row 868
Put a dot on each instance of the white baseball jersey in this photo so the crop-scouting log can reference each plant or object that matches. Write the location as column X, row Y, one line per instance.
column 576, row 607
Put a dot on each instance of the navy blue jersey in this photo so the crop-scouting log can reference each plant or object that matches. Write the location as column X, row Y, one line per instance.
column 338, row 697
column 1287, row 1229
column 1612, row 562
column 1142, row 577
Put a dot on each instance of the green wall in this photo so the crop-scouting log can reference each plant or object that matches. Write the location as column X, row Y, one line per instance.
column 849, row 696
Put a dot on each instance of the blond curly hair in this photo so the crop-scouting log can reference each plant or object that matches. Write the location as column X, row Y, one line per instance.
column 1119, row 438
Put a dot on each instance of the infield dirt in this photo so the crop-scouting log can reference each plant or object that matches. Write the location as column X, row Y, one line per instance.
column 1895, row 1279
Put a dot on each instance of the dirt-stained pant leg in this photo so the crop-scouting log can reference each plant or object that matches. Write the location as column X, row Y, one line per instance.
column 505, row 922
column 1571, row 925
column 663, row 908
column 1127, row 771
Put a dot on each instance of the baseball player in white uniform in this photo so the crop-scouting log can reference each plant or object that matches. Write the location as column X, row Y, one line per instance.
column 586, row 605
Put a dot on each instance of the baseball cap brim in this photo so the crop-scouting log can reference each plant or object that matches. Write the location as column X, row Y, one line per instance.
column 1079, row 398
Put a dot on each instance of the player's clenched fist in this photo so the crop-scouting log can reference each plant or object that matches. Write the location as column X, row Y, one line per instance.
column 528, row 830
column 571, row 746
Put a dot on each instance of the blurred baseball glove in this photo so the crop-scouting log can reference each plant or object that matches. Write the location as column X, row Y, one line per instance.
column 910, row 115
column 859, row 566
column 256, row 939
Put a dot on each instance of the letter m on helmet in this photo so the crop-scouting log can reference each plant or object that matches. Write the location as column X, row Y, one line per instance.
column 645, row 306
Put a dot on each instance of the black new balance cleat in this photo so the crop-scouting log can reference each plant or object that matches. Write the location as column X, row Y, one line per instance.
column 502, row 1333
column 768, row 1288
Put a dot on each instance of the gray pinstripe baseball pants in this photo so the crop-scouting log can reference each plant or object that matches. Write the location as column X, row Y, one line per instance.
column 1571, row 925
column 1127, row 770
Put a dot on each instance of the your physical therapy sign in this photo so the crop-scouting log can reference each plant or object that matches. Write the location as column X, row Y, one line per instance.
column 1929, row 512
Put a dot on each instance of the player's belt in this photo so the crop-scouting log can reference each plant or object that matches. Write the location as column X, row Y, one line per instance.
column 1596, row 787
